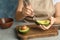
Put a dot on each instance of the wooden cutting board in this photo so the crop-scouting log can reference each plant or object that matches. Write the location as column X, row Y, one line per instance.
column 37, row 32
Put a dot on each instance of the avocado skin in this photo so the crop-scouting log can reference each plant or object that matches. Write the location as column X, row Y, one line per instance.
column 37, row 23
column 23, row 32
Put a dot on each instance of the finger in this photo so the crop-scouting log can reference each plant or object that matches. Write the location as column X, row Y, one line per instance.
column 42, row 27
column 24, row 12
column 32, row 14
column 29, row 7
column 29, row 12
column 52, row 20
column 45, row 27
column 49, row 26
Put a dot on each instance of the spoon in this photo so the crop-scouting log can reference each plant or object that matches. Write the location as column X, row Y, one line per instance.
column 3, row 20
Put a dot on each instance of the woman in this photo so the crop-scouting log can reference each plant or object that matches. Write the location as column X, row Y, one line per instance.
column 28, row 11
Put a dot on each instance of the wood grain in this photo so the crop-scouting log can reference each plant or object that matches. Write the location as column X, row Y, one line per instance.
column 37, row 32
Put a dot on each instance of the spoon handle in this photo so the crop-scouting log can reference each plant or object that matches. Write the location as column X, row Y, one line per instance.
column 3, row 20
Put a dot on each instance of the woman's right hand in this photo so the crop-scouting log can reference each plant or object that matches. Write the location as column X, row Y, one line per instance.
column 28, row 11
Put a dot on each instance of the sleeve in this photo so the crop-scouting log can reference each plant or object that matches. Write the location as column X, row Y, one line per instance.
column 55, row 1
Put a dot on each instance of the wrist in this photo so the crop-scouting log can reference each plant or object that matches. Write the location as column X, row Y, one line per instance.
column 55, row 22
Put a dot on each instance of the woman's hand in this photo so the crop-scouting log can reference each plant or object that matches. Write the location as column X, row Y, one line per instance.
column 52, row 19
column 28, row 11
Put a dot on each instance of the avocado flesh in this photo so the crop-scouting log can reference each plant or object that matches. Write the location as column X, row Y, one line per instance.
column 43, row 22
column 23, row 31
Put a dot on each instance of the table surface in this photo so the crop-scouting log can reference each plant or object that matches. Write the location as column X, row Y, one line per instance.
column 9, row 34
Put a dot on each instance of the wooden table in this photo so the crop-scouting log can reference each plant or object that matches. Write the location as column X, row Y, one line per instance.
column 37, row 32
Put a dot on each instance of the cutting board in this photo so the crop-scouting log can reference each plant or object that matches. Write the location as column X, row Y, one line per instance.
column 37, row 32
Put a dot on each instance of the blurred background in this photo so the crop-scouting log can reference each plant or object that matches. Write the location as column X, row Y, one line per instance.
column 8, row 8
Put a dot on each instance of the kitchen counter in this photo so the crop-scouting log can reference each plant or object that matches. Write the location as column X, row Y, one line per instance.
column 9, row 34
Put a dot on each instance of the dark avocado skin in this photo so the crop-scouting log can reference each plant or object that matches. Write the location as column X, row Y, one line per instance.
column 37, row 23
column 23, row 32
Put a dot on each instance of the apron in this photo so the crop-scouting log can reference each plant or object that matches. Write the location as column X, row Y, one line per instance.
column 42, row 8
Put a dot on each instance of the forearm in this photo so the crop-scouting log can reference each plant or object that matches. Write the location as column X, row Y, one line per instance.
column 57, row 20
column 18, row 14
column 57, row 13
column 20, row 5
column 19, row 10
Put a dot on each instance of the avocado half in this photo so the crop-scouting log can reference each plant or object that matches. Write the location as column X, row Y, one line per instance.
column 43, row 22
column 24, row 31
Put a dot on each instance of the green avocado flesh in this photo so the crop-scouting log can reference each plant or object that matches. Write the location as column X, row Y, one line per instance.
column 24, row 31
column 43, row 22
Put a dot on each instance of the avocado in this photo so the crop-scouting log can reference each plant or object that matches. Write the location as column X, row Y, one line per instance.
column 24, row 30
column 43, row 22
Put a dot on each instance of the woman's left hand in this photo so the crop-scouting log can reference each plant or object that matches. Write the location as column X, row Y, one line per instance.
column 52, row 19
